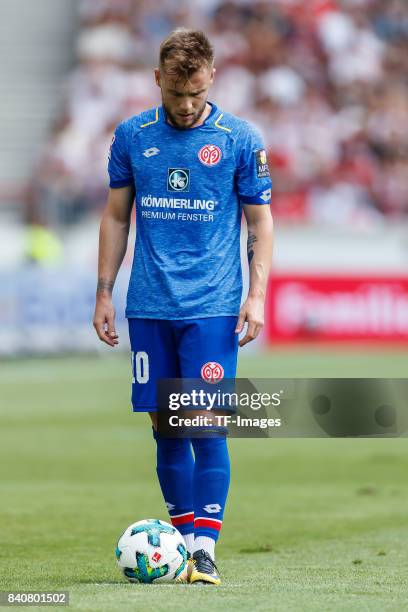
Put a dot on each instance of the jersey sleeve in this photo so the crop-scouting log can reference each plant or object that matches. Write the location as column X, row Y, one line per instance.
column 252, row 173
column 119, row 167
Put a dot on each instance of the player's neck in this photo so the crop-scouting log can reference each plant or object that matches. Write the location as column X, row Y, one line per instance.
column 200, row 121
column 206, row 113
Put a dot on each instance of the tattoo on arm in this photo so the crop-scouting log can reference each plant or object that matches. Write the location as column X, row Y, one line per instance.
column 104, row 285
column 250, row 243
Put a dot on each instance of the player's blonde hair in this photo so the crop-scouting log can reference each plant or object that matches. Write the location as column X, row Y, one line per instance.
column 184, row 52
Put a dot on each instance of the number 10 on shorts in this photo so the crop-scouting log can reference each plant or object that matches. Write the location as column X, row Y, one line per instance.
column 140, row 367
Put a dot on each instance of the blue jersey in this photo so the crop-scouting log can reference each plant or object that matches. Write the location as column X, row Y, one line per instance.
column 190, row 187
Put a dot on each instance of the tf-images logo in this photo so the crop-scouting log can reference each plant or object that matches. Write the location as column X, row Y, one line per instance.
column 178, row 179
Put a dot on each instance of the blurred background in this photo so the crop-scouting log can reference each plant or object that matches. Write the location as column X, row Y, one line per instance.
column 324, row 80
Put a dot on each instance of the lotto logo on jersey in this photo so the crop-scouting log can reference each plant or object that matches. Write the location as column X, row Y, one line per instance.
column 212, row 372
column 209, row 155
column 178, row 179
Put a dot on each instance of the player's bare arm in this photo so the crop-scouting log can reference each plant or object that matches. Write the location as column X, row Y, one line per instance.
column 113, row 238
column 259, row 250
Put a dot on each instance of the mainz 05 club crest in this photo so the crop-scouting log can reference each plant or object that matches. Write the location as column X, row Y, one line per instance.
column 212, row 372
column 209, row 155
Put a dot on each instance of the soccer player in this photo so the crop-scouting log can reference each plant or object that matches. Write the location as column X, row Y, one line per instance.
column 192, row 168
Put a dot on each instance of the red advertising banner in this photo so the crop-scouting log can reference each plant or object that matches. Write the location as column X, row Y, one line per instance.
column 337, row 308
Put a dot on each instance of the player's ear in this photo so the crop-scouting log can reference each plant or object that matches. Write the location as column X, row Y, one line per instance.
column 213, row 71
column 157, row 76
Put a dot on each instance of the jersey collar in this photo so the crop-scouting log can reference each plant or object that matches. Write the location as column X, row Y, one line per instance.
column 163, row 119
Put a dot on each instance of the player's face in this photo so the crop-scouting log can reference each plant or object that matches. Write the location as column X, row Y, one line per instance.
column 185, row 101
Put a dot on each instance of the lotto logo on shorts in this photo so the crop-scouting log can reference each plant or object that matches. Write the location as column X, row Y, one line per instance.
column 209, row 155
column 212, row 372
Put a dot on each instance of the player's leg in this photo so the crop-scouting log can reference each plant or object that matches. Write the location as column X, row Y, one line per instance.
column 175, row 469
column 154, row 356
column 201, row 341
column 210, row 490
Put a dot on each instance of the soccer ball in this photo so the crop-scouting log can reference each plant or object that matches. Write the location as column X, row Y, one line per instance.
column 152, row 551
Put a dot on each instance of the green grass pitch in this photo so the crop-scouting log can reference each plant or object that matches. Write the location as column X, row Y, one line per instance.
column 311, row 524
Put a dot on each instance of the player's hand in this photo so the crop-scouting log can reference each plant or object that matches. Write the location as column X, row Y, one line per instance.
column 252, row 313
column 104, row 320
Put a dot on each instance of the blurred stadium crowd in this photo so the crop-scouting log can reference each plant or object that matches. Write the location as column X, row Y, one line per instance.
column 326, row 81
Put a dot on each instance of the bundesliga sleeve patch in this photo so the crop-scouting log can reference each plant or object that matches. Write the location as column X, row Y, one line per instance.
column 262, row 169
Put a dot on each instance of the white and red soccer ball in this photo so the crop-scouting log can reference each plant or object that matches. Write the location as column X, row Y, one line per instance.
column 152, row 551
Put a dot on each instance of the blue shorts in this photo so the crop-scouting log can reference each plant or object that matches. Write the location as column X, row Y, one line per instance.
column 178, row 349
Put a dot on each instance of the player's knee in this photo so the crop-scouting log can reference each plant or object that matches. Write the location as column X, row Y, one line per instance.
column 170, row 450
column 212, row 453
column 210, row 444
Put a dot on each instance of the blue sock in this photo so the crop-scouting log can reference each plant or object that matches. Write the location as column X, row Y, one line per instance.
column 211, row 482
column 175, row 468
